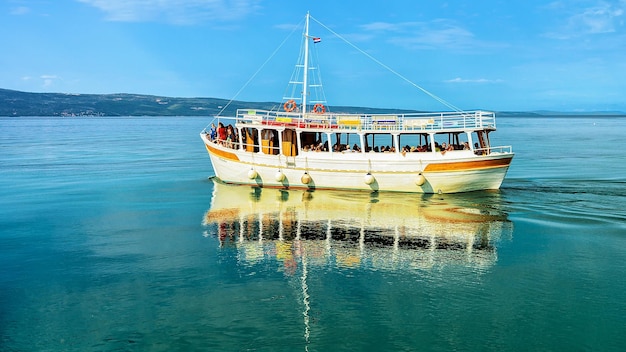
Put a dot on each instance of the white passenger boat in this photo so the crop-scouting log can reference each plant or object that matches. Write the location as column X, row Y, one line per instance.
column 302, row 144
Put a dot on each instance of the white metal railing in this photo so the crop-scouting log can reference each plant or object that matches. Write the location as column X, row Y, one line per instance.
column 400, row 122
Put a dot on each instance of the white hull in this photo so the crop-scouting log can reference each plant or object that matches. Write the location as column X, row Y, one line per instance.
column 458, row 171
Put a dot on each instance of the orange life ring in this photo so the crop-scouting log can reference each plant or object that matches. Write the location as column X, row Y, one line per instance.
column 319, row 108
column 290, row 105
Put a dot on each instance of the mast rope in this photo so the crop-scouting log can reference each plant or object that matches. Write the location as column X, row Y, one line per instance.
column 441, row 100
column 255, row 73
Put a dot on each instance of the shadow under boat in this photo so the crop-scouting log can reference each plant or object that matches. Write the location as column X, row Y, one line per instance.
column 353, row 229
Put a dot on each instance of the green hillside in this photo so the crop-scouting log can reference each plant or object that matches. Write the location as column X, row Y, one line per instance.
column 16, row 103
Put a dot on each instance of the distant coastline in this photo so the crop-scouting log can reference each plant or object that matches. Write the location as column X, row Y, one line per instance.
column 17, row 103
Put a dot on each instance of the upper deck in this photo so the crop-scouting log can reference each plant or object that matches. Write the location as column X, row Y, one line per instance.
column 430, row 122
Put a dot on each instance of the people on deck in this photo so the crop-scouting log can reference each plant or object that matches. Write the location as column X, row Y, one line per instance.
column 231, row 138
column 221, row 133
column 213, row 132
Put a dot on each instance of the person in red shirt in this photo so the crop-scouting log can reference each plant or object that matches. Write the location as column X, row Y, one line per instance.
column 221, row 133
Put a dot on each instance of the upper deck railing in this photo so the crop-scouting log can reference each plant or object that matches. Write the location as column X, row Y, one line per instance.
column 412, row 122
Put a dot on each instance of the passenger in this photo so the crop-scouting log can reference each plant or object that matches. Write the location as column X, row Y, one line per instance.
column 446, row 148
column 230, row 136
column 221, row 133
column 213, row 132
column 477, row 150
column 356, row 148
column 466, row 146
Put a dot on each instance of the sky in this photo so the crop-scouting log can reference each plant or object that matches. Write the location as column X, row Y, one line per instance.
column 489, row 54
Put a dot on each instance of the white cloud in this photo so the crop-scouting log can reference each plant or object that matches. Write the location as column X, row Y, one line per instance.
column 600, row 19
column 603, row 17
column 48, row 80
column 21, row 10
column 435, row 34
column 182, row 12
column 477, row 80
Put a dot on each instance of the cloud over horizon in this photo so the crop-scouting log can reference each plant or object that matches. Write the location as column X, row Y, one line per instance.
column 179, row 12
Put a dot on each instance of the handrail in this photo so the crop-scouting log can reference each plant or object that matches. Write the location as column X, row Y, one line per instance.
column 409, row 122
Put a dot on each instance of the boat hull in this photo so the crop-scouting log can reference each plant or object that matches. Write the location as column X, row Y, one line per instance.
column 458, row 171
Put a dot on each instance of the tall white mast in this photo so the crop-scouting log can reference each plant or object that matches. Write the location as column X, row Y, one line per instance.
column 305, row 83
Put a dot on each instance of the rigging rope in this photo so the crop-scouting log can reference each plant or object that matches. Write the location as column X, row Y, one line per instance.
column 255, row 73
column 442, row 101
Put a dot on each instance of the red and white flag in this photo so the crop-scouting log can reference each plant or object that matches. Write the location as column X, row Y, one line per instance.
column 317, row 40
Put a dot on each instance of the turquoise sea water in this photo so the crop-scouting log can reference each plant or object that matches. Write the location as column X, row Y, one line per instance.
column 112, row 238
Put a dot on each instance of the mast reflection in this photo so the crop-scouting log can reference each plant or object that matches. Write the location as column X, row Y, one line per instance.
column 386, row 231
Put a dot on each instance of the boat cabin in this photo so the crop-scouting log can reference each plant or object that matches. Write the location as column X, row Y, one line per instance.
column 275, row 133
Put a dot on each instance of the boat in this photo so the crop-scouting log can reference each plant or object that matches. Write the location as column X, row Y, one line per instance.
column 382, row 231
column 303, row 144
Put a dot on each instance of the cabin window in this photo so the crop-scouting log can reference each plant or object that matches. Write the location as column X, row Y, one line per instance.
column 453, row 140
column 414, row 142
column 344, row 142
column 290, row 143
column 269, row 141
column 378, row 142
column 250, row 139
column 481, row 142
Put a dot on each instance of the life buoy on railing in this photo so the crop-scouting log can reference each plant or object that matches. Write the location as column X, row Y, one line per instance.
column 319, row 108
column 290, row 105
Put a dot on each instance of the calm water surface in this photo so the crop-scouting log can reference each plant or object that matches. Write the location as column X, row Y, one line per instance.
column 113, row 238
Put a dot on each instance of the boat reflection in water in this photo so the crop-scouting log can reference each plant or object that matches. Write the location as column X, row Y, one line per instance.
column 386, row 231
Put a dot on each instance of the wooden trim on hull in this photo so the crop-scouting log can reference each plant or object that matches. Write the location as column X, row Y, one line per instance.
column 221, row 153
column 468, row 165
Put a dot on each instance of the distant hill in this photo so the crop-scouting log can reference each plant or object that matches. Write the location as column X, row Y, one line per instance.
column 16, row 103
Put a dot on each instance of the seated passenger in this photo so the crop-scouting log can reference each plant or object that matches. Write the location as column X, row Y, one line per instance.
column 213, row 133
column 477, row 150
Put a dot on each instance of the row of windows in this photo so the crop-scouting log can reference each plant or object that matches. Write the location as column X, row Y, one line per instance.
column 319, row 142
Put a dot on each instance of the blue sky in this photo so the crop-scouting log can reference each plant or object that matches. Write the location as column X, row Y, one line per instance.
column 488, row 54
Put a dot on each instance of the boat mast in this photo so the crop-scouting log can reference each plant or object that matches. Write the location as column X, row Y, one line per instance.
column 305, row 83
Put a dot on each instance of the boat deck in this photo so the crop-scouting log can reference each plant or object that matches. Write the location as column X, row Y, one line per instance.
column 411, row 122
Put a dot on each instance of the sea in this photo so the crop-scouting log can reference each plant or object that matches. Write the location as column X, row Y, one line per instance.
column 115, row 237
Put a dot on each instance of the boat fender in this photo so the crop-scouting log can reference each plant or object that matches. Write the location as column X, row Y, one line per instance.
column 279, row 176
column 369, row 179
column 306, row 178
column 420, row 180
column 252, row 174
